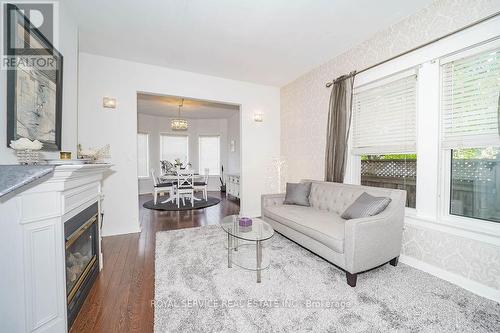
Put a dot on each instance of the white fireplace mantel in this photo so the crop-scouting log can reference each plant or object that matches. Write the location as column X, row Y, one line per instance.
column 32, row 246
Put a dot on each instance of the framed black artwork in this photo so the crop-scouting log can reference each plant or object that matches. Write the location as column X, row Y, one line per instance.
column 34, row 82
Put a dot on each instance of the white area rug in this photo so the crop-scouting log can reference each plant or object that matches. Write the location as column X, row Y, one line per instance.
column 195, row 291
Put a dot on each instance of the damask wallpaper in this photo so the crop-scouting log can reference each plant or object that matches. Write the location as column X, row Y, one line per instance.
column 472, row 259
column 304, row 113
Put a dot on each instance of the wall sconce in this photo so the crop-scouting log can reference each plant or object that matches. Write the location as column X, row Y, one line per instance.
column 109, row 103
column 258, row 117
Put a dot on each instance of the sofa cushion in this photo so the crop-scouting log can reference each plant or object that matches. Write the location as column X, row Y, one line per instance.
column 366, row 205
column 322, row 226
column 297, row 194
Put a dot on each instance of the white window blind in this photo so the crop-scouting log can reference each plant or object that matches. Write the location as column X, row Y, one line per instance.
column 470, row 101
column 174, row 147
column 209, row 154
column 384, row 116
column 142, row 154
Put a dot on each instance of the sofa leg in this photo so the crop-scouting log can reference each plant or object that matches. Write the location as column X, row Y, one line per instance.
column 351, row 279
column 394, row 262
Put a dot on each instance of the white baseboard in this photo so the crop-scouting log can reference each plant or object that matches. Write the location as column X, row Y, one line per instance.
column 472, row 286
column 122, row 232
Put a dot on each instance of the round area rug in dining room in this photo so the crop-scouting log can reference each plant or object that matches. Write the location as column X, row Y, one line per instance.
column 170, row 206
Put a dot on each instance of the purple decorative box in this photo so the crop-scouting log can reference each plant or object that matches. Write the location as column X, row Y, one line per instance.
column 245, row 222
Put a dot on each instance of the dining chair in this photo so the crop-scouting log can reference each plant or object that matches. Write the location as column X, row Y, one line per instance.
column 203, row 185
column 159, row 188
column 185, row 186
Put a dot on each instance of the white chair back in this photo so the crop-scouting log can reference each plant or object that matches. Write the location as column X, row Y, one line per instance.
column 207, row 174
column 153, row 175
column 185, row 178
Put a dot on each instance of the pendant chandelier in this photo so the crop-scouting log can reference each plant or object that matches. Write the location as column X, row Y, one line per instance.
column 179, row 124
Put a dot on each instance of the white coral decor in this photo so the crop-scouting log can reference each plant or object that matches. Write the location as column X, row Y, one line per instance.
column 26, row 144
column 27, row 150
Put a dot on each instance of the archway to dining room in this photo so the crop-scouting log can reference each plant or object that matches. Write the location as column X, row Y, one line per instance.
column 188, row 161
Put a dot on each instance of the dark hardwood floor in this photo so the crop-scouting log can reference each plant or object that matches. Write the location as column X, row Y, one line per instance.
column 120, row 300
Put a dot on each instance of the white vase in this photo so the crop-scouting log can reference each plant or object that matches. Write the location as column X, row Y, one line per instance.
column 27, row 156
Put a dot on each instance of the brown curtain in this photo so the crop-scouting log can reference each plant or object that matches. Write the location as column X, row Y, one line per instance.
column 339, row 122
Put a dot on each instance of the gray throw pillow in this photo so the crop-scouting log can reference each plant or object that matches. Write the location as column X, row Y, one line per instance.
column 366, row 205
column 297, row 194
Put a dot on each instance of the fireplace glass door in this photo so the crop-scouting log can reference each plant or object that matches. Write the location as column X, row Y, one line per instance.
column 80, row 255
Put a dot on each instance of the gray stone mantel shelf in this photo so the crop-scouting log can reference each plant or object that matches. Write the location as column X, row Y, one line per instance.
column 13, row 177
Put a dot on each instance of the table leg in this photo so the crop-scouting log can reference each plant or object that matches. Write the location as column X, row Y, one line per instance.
column 229, row 249
column 259, row 260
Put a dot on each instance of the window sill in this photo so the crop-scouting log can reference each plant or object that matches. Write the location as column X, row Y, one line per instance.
column 410, row 212
column 472, row 225
column 143, row 177
column 472, row 229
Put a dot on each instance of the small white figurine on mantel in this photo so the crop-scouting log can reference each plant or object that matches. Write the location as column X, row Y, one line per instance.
column 26, row 150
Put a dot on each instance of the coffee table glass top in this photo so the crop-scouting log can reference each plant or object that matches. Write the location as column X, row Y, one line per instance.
column 259, row 230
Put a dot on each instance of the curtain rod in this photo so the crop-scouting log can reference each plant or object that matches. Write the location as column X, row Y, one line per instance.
column 329, row 84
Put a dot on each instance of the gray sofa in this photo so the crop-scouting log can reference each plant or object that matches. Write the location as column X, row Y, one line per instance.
column 354, row 245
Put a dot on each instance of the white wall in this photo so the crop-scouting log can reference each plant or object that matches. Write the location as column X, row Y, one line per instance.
column 68, row 46
column 103, row 76
column 154, row 126
column 233, row 134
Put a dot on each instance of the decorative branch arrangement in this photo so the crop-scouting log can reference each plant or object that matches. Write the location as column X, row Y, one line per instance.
column 222, row 182
column 95, row 154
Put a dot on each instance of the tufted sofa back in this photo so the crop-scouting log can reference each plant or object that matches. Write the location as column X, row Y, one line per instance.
column 336, row 197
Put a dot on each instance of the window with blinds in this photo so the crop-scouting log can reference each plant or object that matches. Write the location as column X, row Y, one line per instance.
column 470, row 101
column 470, row 106
column 209, row 154
column 142, row 155
column 384, row 133
column 384, row 116
column 174, row 147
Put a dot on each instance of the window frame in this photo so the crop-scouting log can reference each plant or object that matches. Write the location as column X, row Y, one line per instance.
column 464, row 222
column 148, row 176
column 444, row 215
column 200, row 171
column 433, row 163
column 353, row 176
column 176, row 135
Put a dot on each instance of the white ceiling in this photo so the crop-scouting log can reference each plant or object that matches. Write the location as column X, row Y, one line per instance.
column 167, row 106
column 263, row 41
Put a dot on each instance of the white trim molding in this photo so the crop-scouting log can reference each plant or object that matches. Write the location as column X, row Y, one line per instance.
column 447, row 227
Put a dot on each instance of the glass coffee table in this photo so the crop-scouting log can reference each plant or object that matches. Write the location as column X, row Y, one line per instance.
column 243, row 236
